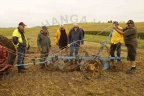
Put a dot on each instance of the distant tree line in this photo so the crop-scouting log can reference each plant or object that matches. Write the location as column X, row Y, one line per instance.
column 106, row 33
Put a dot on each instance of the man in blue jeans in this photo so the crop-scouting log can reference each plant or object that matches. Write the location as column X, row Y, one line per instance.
column 75, row 40
column 20, row 40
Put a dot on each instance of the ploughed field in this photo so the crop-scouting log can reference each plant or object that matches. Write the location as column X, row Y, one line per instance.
column 45, row 82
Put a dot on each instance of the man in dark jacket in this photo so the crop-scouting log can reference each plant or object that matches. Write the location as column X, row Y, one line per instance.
column 44, row 44
column 21, row 42
column 61, row 39
column 75, row 40
column 130, row 39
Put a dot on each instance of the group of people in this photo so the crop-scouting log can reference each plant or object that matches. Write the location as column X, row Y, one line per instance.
column 65, row 39
column 129, row 36
column 73, row 40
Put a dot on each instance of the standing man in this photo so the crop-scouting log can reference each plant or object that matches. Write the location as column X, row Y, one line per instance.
column 116, row 41
column 75, row 38
column 44, row 44
column 61, row 39
column 20, row 40
column 130, row 39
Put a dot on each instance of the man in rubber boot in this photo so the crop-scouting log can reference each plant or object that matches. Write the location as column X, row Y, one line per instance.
column 21, row 42
column 44, row 44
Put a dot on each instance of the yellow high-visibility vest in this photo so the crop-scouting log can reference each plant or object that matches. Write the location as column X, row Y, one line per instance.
column 17, row 34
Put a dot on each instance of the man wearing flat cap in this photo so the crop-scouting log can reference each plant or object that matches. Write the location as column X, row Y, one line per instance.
column 21, row 42
column 130, row 39
column 116, row 41
column 44, row 44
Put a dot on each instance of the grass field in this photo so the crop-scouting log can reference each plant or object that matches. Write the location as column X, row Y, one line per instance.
column 32, row 32
column 85, row 26
column 43, row 82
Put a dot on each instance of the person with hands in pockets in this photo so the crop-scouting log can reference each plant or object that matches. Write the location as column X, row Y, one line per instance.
column 44, row 44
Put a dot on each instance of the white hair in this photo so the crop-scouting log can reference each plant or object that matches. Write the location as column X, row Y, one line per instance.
column 75, row 24
column 61, row 26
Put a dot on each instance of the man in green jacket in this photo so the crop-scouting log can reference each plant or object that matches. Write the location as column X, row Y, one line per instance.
column 44, row 44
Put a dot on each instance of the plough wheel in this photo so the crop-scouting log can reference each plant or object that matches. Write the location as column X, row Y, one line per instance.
column 7, row 53
column 52, row 66
column 61, row 64
column 55, row 64
column 91, row 69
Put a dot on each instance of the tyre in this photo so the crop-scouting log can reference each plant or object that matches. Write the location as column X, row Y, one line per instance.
column 7, row 52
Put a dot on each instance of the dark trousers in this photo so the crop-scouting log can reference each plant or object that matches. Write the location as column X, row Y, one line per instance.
column 131, row 51
column 21, row 54
column 43, row 57
column 117, row 48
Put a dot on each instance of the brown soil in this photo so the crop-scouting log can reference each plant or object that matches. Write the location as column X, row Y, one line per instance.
column 44, row 82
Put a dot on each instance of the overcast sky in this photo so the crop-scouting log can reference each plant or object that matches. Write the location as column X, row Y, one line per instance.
column 49, row 12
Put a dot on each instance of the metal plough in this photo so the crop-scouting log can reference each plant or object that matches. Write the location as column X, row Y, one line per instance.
column 90, row 66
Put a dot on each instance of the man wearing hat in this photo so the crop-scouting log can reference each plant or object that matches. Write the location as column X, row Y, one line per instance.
column 20, row 40
column 116, row 41
column 44, row 44
column 61, row 39
column 130, row 39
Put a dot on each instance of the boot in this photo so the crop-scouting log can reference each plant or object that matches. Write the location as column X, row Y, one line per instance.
column 20, row 70
column 131, row 71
